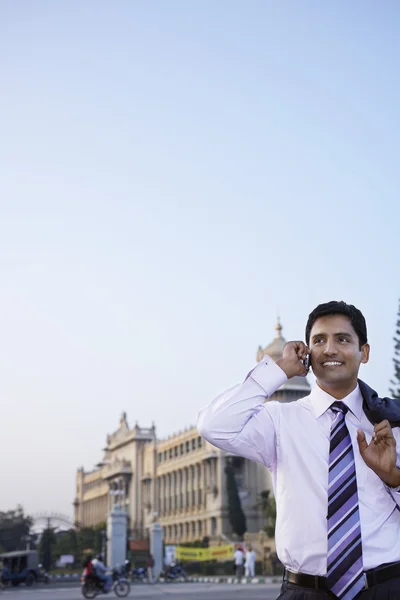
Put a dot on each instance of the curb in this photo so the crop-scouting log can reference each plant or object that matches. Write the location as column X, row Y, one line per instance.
column 223, row 579
column 235, row 580
column 65, row 576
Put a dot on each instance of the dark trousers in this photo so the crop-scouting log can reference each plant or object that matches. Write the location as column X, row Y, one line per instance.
column 389, row 590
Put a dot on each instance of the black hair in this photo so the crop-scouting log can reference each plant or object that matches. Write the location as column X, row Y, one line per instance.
column 339, row 308
column 87, row 560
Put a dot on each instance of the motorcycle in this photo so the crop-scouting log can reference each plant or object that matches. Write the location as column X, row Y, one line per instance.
column 174, row 573
column 92, row 586
column 42, row 575
column 139, row 574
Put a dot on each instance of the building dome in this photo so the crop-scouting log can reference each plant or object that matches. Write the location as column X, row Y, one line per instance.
column 275, row 348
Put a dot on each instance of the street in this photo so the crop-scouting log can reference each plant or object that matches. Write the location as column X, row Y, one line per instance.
column 192, row 591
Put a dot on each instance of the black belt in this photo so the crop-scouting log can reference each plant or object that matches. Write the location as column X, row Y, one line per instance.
column 372, row 577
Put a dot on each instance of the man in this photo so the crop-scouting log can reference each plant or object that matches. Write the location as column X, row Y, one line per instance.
column 88, row 566
column 238, row 558
column 250, row 562
column 101, row 572
column 150, row 567
column 334, row 461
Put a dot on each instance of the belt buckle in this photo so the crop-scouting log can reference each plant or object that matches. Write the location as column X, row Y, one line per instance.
column 366, row 586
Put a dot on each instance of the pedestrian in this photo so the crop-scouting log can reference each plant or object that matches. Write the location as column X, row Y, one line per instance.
column 150, row 566
column 333, row 456
column 239, row 559
column 250, row 562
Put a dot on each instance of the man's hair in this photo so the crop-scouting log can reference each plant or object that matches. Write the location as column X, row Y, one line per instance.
column 339, row 308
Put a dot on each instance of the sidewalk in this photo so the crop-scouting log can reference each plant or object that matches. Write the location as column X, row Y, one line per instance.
column 244, row 580
column 267, row 580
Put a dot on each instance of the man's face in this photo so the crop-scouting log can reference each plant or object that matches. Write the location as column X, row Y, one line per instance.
column 335, row 351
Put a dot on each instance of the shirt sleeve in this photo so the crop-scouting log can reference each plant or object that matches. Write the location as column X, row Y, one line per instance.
column 238, row 421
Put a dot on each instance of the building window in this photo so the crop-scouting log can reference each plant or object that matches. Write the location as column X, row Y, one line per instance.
column 181, row 448
column 199, row 442
column 164, row 494
column 170, row 532
column 165, row 533
column 187, row 529
column 176, row 531
column 165, row 455
column 170, row 452
column 193, row 497
column 186, row 486
column 199, row 475
column 193, row 444
column 187, row 446
column 192, row 475
column 199, row 528
column 213, row 526
column 175, row 495
column 199, row 498
column 180, row 531
column 194, row 529
column 176, row 450
column 159, row 457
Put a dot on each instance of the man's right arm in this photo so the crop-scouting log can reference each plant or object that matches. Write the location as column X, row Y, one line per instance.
column 237, row 420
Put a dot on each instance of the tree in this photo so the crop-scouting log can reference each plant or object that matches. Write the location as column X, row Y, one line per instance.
column 47, row 545
column 14, row 526
column 67, row 543
column 395, row 390
column 99, row 532
column 267, row 504
column 86, row 541
column 235, row 512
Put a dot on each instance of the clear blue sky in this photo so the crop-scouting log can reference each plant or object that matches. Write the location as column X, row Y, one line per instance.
column 173, row 175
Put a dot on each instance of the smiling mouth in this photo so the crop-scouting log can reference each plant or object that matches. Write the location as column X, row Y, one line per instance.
column 332, row 363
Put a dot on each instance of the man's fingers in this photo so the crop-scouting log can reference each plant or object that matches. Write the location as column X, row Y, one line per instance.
column 382, row 430
column 362, row 442
column 382, row 426
column 302, row 350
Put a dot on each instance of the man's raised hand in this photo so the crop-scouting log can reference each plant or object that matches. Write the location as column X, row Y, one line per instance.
column 380, row 454
column 291, row 362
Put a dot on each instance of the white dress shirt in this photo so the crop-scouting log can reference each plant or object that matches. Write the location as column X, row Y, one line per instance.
column 239, row 557
column 250, row 558
column 292, row 440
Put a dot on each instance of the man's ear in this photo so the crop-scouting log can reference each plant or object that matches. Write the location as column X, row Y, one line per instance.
column 365, row 353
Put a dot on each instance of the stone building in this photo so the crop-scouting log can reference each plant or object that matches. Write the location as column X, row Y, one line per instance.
column 179, row 480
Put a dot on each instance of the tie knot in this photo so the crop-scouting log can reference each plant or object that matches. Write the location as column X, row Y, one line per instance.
column 339, row 407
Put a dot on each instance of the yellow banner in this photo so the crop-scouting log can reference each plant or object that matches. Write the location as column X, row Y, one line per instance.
column 214, row 553
column 221, row 552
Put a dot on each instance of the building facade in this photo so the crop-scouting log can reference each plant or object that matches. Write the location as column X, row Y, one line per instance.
column 179, row 480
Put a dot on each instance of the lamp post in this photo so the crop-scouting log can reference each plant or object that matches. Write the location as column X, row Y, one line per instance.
column 27, row 539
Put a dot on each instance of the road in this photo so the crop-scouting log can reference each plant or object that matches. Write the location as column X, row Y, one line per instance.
column 183, row 591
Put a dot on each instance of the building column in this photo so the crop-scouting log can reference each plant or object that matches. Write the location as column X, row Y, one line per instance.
column 169, row 488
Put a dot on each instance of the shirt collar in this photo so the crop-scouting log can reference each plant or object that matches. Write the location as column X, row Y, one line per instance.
column 321, row 401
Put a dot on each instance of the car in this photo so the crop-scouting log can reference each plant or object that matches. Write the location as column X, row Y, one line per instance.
column 20, row 567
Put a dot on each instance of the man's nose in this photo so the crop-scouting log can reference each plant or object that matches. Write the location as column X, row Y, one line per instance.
column 330, row 348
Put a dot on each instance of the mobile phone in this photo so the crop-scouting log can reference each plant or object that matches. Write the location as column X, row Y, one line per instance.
column 307, row 362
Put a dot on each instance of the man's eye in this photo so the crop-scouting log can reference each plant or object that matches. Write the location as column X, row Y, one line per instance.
column 318, row 340
column 343, row 339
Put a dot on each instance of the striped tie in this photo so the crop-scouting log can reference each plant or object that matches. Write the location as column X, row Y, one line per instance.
column 345, row 575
